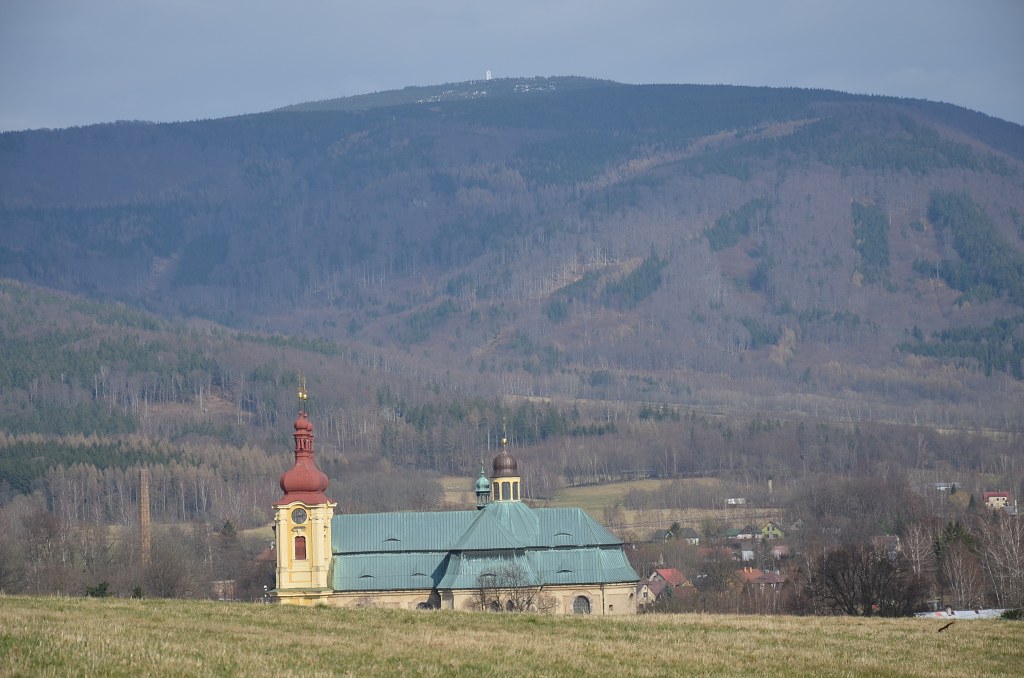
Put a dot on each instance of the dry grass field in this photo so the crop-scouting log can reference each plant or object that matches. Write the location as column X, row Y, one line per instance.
column 593, row 498
column 639, row 524
column 458, row 491
column 100, row 637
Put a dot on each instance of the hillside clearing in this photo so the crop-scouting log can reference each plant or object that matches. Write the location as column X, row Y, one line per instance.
column 593, row 498
column 82, row 636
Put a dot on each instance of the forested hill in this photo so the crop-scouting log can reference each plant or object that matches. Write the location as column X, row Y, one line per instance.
column 729, row 249
column 460, row 91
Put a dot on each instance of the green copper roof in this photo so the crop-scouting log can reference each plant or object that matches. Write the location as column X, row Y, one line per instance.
column 572, row 565
column 399, row 532
column 388, row 571
column 501, row 525
column 467, row 570
column 397, row 551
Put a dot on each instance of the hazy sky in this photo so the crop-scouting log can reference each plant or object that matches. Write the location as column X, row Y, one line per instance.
column 74, row 62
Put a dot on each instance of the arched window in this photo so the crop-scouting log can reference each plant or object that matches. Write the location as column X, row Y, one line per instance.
column 581, row 605
column 515, row 491
column 300, row 548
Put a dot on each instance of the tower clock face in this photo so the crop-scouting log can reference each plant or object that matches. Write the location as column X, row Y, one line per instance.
column 299, row 516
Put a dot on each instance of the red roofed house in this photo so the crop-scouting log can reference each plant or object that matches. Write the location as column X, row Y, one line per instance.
column 996, row 500
column 663, row 582
column 755, row 577
column 749, row 575
column 670, row 576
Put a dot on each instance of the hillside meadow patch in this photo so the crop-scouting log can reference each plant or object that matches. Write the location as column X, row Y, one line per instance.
column 86, row 636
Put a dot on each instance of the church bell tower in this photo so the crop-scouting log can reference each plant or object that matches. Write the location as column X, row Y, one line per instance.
column 302, row 523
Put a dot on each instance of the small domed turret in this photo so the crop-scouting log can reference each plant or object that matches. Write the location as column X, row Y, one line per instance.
column 505, row 465
column 505, row 477
column 483, row 489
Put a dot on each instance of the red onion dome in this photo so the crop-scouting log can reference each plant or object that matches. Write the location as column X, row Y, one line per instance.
column 304, row 478
column 304, row 481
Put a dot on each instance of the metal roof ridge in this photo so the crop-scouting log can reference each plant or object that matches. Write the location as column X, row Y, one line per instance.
column 492, row 526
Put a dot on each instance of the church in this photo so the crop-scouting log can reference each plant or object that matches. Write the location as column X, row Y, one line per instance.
column 502, row 555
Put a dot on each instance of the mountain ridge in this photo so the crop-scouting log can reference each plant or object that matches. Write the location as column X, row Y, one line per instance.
column 766, row 249
column 456, row 91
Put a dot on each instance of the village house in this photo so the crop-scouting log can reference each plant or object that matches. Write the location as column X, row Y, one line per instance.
column 670, row 576
column 687, row 534
column 753, row 577
column 770, row 530
column 690, row 536
column 644, row 595
column 663, row 582
column 996, row 500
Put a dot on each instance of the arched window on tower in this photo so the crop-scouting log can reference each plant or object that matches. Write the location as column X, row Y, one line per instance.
column 515, row 491
column 300, row 548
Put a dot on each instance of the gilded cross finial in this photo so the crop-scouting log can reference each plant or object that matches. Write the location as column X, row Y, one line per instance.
column 303, row 395
column 504, row 432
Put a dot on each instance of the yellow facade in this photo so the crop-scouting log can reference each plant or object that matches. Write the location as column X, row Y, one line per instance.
column 303, row 544
column 606, row 599
column 505, row 489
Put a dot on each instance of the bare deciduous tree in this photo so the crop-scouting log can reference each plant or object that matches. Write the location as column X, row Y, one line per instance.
column 1001, row 542
column 962, row 575
column 919, row 547
column 862, row 580
column 512, row 589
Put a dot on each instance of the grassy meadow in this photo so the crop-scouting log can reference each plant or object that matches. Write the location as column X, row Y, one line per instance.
column 637, row 524
column 88, row 636
column 593, row 498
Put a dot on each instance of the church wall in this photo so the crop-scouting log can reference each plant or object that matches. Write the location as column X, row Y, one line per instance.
column 607, row 599
column 395, row 600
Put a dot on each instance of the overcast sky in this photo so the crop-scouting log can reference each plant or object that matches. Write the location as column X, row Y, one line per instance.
column 74, row 62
